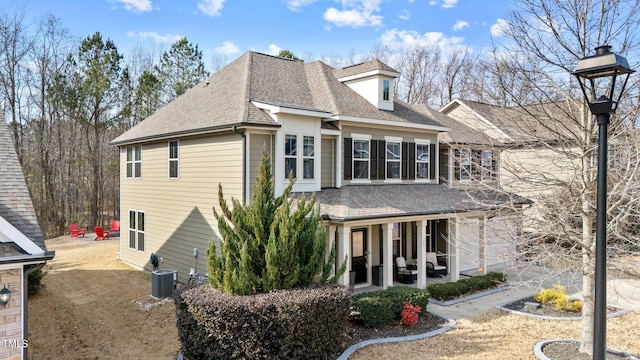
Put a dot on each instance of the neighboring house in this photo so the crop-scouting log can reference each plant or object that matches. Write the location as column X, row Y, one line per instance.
column 22, row 248
column 371, row 160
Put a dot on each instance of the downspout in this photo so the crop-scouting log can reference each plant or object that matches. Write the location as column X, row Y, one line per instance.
column 26, row 270
column 244, row 161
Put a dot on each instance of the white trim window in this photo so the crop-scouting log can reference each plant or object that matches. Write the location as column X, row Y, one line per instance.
column 360, row 159
column 393, row 157
column 136, row 229
column 308, row 157
column 290, row 155
column 487, row 165
column 422, row 161
column 173, row 159
column 134, row 162
column 386, row 88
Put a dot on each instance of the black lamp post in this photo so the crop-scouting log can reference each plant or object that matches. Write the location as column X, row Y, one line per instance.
column 601, row 71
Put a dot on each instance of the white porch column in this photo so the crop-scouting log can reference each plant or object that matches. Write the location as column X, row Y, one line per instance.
column 344, row 250
column 482, row 245
column 422, row 253
column 454, row 249
column 387, row 249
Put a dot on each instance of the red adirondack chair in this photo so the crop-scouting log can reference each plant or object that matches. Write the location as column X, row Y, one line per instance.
column 100, row 233
column 76, row 231
column 115, row 227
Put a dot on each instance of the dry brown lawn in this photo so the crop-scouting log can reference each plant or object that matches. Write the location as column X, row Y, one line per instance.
column 93, row 308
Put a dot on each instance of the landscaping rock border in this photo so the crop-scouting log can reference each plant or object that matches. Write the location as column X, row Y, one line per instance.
column 355, row 347
column 561, row 318
column 469, row 297
column 539, row 348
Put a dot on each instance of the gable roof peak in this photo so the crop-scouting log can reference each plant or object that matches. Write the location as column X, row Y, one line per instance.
column 374, row 65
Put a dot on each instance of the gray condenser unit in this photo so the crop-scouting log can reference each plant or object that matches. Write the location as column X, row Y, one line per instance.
column 163, row 283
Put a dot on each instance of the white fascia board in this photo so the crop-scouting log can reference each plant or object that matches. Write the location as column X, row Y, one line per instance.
column 368, row 74
column 477, row 115
column 8, row 233
column 330, row 132
column 274, row 109
column 391, row 123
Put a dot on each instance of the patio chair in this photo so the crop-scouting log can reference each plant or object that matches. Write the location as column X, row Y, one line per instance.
column 76, row 231
column 114, row 229
column 405, row 275
column 100, row 233
column 434, row 268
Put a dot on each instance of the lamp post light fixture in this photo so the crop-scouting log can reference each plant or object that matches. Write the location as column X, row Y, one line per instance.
column 5, row 294
column 596, row 73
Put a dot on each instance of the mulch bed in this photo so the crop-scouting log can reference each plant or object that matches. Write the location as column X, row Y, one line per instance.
column 358, row 332
column 569, row 351
column 547, row 309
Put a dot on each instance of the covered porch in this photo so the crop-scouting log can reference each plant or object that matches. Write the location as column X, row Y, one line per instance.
column 384, row 222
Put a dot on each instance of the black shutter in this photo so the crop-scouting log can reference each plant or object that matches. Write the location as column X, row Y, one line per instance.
column 373, row 158
column 412, row 161
column 433, row 157
column 348, row 158
column 382, row 151
column 405, row 160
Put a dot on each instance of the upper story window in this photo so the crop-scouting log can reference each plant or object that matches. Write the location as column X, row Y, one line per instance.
column 422, row 161
column 308, row 155
column 361, row 159
column 134, row 161
column 173, row 159
column 290, row 155
column 385, row 90
column 394, row 155
column 478, row 165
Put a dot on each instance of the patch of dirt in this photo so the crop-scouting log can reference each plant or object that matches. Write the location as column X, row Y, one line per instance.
column 95, row 307
column 358, row 332
column 569, row 351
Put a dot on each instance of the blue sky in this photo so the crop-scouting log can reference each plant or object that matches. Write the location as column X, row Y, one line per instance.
column 308, row 28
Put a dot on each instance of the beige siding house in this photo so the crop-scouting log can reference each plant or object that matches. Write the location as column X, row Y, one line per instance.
column 371, row 159
column 22, row 249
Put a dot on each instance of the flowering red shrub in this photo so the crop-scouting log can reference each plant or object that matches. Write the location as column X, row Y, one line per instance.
column 410, row 314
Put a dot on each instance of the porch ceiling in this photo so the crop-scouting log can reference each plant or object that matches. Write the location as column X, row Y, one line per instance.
column 356, row 202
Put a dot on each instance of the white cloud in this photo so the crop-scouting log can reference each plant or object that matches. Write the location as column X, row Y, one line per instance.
column 355, row 13
column 138, row 6
column 405, row 15
column 400, row 40
column 448, row 4
column 211, row 7
column 499, row 28
column 433, row 3
column 274, row 49
column 228, row 47
column 162, row 39
column 459, row 25
column 297, row 5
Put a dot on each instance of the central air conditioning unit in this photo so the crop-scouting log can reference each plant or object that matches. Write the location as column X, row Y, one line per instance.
column 163, row 283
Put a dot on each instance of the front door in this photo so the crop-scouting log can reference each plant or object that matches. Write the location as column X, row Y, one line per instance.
column 359, row 254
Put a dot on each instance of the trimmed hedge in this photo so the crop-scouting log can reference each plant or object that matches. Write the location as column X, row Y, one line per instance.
column 452, row 290
column 287, row 324
column 384, row 306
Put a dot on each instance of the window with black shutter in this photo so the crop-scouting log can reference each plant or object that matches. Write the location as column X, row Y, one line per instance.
column 432, row 163
column 348, row 158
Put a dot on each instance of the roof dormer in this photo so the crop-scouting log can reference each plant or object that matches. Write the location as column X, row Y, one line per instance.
column 373, row 80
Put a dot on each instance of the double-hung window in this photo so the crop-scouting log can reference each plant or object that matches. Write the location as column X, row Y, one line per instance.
column 308, row 155
column 487, row 165
column 173, row 159
column 386, row 87
column 422, row 161
column 394, row 155
column 136, row 230
column 290, row 155
column 134, row 161
column 463, row 160
column 360, row 159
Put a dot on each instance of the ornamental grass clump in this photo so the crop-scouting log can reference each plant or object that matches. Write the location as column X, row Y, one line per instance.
column 558, row 297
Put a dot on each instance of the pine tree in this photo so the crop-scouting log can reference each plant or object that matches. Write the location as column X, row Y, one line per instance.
column 266, row 245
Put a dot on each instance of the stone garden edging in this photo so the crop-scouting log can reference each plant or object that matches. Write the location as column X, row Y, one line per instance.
column 539, row 347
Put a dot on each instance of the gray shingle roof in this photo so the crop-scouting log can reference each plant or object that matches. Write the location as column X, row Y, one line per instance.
column 460, row 133
column 366, row 66
column 15, row 202
column 353, row 202
column 225, row 98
